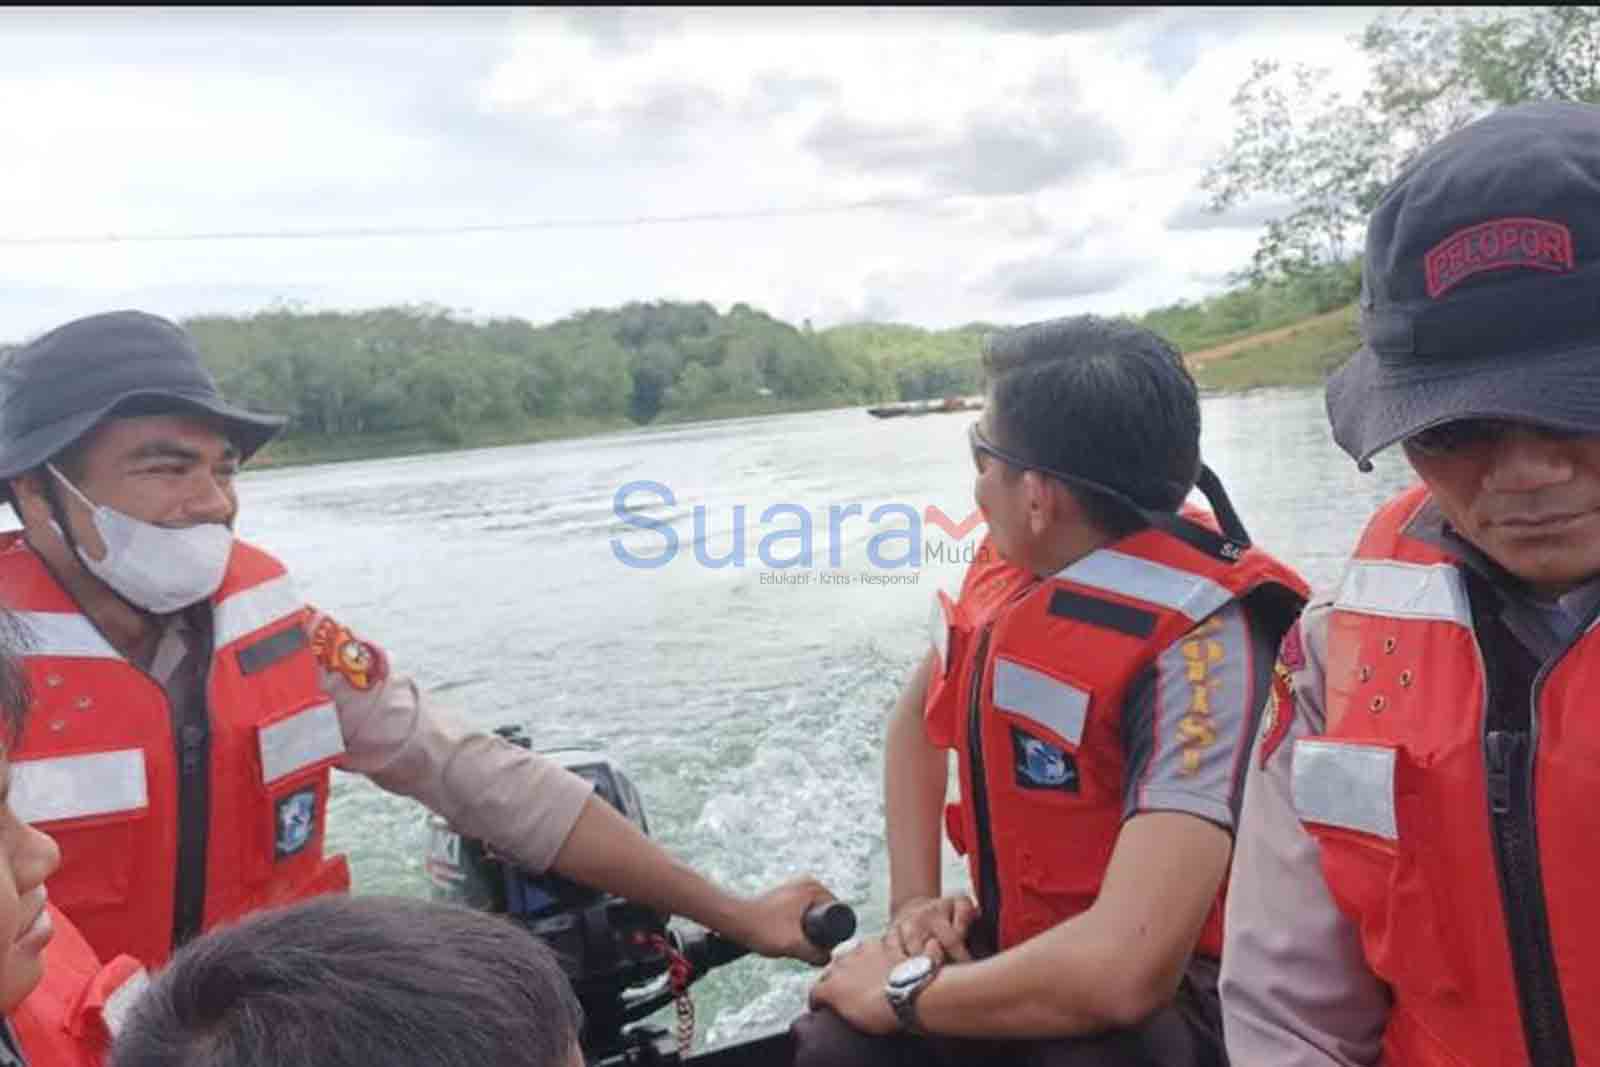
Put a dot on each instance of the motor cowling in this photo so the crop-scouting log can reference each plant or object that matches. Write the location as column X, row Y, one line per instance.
column 606, row 944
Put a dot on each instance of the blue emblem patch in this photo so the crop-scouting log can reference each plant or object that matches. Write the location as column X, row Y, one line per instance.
column 296, row 820
column 1041, row 765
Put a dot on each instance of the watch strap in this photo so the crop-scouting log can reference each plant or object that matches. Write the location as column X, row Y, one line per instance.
column 904, row 1002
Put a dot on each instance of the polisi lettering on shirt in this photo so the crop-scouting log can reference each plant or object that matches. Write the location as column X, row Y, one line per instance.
column 1041, row 765
column 1197, row 730
column 1538, row 244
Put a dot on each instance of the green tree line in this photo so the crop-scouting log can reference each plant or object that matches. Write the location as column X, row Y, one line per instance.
column 409, row 377
column 424, row 373
column 428, row 373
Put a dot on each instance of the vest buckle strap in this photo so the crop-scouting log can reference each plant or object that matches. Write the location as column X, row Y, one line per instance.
column 303, row 739
column 1347, row 785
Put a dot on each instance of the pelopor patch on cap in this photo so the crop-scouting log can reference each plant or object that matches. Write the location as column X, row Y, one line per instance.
column 1537, row 244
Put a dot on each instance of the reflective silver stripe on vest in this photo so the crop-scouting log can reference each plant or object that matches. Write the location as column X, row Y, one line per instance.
column 1047, row 701
column 1404, row 591
column 63, row 633
column 117, row 1006
column 297, row 742
column 251, row 609
column 77, row 787
column 1117, row 572
column 1341, row 783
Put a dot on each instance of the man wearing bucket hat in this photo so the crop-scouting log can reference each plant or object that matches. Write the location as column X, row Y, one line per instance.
column 190, row 706
column 1415, row 876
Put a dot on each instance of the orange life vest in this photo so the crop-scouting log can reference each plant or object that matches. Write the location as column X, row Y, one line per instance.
column 1028, row 692
column 1412, row 824
column 70, row 1018
column 105, row 770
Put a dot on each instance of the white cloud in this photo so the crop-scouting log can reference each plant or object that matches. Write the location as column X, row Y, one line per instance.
column 1065, row 130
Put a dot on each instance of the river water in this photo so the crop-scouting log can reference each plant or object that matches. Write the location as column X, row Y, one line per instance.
column 748, row 713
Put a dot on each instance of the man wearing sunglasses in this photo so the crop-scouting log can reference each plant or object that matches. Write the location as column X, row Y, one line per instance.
column 1415, row 876
column 1099, row 681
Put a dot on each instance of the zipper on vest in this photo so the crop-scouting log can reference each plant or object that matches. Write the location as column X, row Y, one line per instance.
column 988, row 878
column 1509, row 761
column 192, row 733
column 1510, row 741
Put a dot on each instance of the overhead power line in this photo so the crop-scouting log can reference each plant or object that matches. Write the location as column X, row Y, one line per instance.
column 364, row 232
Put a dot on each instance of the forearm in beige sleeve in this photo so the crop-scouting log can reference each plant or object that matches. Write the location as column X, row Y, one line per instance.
column 521, row 802
column 1296, row 991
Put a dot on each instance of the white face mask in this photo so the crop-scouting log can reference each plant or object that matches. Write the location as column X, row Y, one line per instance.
column 159, row 568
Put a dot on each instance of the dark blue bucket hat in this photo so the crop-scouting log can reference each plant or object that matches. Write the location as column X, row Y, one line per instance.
column 1480, row 290
column 54, row 389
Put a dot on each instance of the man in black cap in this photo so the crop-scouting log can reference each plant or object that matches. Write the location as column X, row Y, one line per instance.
column 190, row 705
column 1415, row 877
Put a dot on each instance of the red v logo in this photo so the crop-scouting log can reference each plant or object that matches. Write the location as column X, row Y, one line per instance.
column 959, row 531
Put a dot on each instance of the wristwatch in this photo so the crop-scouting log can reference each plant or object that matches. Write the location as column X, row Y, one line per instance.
column 906, row 982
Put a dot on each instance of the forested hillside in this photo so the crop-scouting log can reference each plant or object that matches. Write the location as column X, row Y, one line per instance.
column 407, row 378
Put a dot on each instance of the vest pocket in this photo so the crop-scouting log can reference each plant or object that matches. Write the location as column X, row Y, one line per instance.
column 294, row 754
column 97, row 859
column 1034, row 742
column 94, row 804
column 1046, row 893
column 1362, row 803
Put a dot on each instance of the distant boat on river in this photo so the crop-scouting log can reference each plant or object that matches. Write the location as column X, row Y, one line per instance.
column 927, row 407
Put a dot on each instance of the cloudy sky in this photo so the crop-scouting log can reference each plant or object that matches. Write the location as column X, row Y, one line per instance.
column 1005, row 164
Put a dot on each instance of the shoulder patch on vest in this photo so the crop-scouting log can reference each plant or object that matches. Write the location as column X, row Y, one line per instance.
column 296, row 821
column 1041, row 765
column 1292, row 652
column 337, row 649
column 1279, row 713
column 1107, row 614
column 269, row 650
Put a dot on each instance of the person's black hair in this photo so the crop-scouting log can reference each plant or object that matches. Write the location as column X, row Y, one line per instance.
column 344, row 981
column 1103, row 399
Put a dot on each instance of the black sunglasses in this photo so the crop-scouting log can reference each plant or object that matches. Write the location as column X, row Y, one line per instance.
column 1459, row 434
column 1229, row 545
column 982, row 446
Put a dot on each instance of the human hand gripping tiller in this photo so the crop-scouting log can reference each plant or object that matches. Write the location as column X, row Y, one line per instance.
column 623, row 960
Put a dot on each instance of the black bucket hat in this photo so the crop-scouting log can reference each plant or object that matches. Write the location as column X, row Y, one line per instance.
column 1480, row 290
column 55, row 388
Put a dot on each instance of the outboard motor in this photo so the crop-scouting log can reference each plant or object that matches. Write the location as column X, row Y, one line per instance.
column 622, row 959
column 605, row 944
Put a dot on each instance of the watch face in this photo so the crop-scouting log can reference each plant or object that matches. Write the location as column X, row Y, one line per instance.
column 911, row 971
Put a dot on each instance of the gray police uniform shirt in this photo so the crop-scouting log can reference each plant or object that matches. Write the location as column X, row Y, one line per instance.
column 1296, row 991
column 520, row 801
column 1189, row 719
